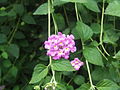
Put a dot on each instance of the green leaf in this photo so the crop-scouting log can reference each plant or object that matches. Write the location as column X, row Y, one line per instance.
column 117, row 56
column 94, row 43
column 23, row 43
column 11, row 13
column 66, row 31
column 60, row 21
column 116, row 64
column 107, row 88
column 69, row 73
column 114, row 75
column 110, row 37
column 28, row 87
column 58, row 2
column 5, row 29
column 79, row 79
column 40, row 71
column 13, row 49
column 61, row 86
column 73, row 1
column 3, row 13
column 44, row 58
column 84, row 86
column 3, row 1
column 96, row 28
column 70, row 87
column 13, row 71
column 47, row 79
column 3, row 38
column 93, row 56
column 5, row 55
column 19, row 9
column 43, row 10
column 107, row 85
column 62, row 65
column 84, row 31
column 7, row 63
column 19, row 35
column 113, row 8
column 28, row 19
column 108, row 1
column 75, row 33
column 16, row 87
column 92, row 5
column 100, row 73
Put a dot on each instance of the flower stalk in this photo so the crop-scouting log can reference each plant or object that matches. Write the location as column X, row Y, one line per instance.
column 49, row 18
column 54, row 21
column 76, row 10
column 87, row 64
column 102, row 29
column 53, row 82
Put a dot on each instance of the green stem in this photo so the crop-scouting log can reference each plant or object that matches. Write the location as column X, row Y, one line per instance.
column 88, row 69
column 102, row 19
column 80, row 18
column 114, row 49
column 13, row 34
column 102, row 29
column 100, row 51
column 50, row 61
column 105, row 50
column 54, row 21
column 49, row 18
column 55, row 24
column 90, row 78
column 53, row 77
column 49, row 30
column 76, row 10
column 66, row 15
column 87, row 64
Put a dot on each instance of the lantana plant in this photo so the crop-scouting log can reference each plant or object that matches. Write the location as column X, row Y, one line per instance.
column 60, row 46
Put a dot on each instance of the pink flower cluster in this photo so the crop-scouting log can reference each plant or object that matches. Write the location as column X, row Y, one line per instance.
column 59, row 46
column 76, row 63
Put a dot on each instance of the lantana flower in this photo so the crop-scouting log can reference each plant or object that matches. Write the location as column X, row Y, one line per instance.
column 59, row 46
column 76, row 63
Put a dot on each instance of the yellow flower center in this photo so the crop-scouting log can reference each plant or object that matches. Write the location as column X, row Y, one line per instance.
column 67, row 48
column 60, row 52
column 60, row 42
column 55, row 46
column 76, row 66
column 76, row 61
